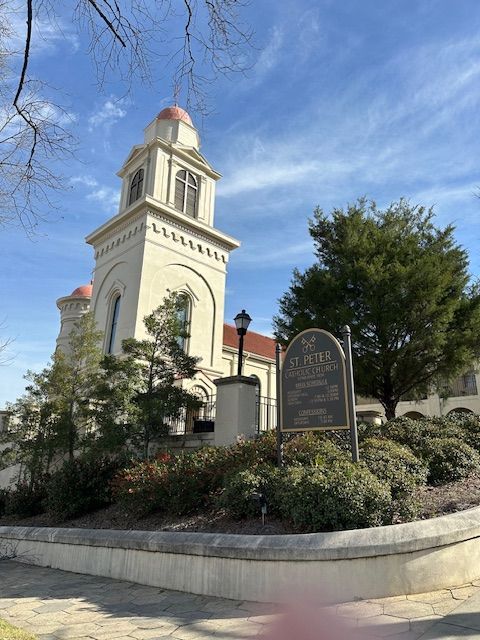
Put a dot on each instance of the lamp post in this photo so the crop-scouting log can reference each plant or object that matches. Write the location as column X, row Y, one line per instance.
column 242, row 320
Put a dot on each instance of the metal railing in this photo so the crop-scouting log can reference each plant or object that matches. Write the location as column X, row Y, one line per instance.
column 465, row 385
column 201, row 420
column 266, row 413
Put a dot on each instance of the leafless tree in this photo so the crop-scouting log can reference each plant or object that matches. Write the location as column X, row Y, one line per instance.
column 194, row 40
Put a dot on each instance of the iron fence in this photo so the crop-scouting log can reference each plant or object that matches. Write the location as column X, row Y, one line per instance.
column 201, row 420
column 266, row 414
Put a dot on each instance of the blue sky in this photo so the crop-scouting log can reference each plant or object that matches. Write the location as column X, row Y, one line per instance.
column 343, row 99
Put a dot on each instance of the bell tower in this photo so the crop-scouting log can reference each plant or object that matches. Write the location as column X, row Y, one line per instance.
column 163, row 239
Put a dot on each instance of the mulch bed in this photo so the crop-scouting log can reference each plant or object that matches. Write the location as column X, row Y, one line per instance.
column 435, row 501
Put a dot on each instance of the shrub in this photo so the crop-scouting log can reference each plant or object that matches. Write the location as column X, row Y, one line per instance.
column 416, row 433
column 81, row 486
column 343, row 496
column 187, row 482
column 396, row 465
column 25, row 500
column 310, row 449
column 449, row 459
column 469, row 424
column 242, row 488
column 141, row 487
column 3, row 501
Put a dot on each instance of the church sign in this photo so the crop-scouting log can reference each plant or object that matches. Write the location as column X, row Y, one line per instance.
column 314, row 391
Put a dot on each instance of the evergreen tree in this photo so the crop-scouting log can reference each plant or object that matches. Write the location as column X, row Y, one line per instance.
column 403, row 286
column 159, row 363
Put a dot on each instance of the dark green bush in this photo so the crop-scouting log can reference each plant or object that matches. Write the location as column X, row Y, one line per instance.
column 396, row 465
column 242, row 487
column 416, row 433
column 81, row 486
column 342, row 496
column 311, row 449
column 449, row 459
column 25, row 500
column 469, row 424
column 3, row 501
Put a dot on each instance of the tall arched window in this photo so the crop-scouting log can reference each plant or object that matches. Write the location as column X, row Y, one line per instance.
column 186, row 193
column 184, row 316
column 113, row 323
column 136, row 187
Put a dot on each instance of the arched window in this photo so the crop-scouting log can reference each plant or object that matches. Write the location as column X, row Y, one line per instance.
column 184, row 316
column 186, row 193
column 136, row 187
column 113, row 323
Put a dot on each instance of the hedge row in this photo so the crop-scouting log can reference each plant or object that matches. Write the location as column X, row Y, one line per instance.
column 318, row 488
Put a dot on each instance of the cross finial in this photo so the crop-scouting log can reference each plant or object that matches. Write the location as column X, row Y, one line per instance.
column 176, row 93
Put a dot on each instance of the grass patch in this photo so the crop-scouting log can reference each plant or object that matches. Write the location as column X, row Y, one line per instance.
column 7, row 632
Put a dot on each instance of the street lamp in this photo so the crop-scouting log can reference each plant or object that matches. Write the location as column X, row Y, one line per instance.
column 242, row 320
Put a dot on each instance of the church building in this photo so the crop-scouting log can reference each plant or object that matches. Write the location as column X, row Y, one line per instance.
column 163, row 240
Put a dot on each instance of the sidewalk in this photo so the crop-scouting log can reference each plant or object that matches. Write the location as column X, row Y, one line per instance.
column 57, row 605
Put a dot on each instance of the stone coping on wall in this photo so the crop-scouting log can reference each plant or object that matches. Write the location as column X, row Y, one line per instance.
column 337, row 545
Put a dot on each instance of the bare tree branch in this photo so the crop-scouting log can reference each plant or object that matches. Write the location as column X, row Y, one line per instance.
column 195, row 39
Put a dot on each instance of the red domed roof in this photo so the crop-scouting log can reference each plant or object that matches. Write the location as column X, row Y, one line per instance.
column 175, row 113
column 85, row 291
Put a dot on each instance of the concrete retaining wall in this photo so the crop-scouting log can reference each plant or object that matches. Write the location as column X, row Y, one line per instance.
column 345, row 565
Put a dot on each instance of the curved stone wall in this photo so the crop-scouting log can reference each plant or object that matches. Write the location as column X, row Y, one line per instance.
column 344, row 565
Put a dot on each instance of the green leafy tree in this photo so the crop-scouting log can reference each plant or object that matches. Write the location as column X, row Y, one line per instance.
column 113, row 410
column 33, row 429
column 159, row 364
column 55, row 413
column 403, row 286
column 72, row 382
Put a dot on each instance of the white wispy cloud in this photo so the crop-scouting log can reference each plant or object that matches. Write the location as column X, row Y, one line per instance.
column 363, row 142
column 106, row 196
column 48, row 35
column 110, row 112
column 279, row 255
column 267, row 60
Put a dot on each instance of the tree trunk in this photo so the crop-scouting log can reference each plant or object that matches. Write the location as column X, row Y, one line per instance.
column 390, row 409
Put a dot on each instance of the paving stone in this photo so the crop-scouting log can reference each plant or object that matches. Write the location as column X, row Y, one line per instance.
column 387, row 600
column 77, row 630
column 431, row 597
column 149, row 634
column 463, row 593
column 443, row 631
column 408, row 609
column 363, row 609
column 420, row 625
column 445, row 607
column 384, row 626
column 51, row 607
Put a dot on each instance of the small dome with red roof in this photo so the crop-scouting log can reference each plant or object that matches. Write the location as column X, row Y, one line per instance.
column 175, row 113
column 85, row 291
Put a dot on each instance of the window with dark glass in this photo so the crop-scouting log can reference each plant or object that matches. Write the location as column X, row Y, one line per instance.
column 183, row 317
column 186, row 193
column 136, row 187
column 113, row 324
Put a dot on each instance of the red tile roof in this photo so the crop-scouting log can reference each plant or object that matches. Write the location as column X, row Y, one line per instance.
column 175, row 113
column 253, row 342
column 85, row 291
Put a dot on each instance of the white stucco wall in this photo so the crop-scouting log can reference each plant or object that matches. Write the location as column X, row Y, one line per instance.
column 345, row 565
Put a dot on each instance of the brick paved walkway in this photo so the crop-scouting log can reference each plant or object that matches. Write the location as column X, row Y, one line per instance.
column 58, row 605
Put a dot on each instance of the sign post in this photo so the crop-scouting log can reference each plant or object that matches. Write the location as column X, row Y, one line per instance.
column 278, row 351
column 347, row 346
column 315, row 386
